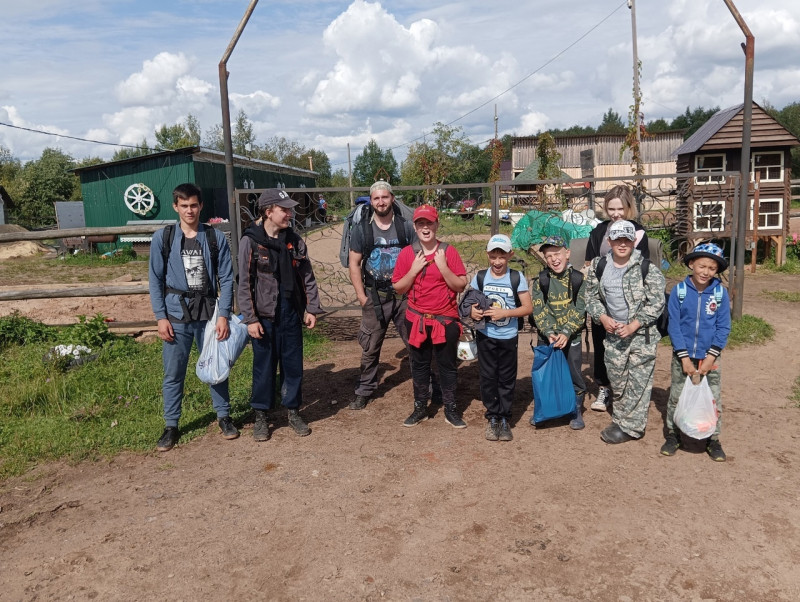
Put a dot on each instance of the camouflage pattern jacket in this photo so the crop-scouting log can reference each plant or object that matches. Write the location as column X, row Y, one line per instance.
column 645, row 299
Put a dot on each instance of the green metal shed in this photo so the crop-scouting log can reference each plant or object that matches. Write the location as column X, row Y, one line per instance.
column 106, row 187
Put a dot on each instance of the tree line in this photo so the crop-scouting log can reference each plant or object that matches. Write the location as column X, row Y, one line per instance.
column 444, row 156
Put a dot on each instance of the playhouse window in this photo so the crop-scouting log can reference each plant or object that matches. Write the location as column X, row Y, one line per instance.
column 769, row 165
column 770, row 215
column 709, row 216
column 709, row 163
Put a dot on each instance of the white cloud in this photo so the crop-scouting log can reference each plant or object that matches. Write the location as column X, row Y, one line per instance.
column 532, row 122
column 256, row 103
column 156, row 83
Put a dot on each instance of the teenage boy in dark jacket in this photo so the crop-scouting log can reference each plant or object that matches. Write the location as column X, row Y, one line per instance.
column 277, row 294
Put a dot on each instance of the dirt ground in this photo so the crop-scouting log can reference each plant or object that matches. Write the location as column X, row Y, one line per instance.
column 366, row 509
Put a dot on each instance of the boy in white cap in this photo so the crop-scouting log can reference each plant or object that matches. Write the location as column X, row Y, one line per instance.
column 625, row 293
column 507, row 291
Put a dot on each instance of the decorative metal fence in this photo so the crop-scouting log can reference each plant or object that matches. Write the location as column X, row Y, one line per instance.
column 670, row 209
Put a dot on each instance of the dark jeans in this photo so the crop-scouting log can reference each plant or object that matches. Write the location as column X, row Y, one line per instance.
column 281, row 346
column 598, row 338
column 497, row 365
column 445, row 353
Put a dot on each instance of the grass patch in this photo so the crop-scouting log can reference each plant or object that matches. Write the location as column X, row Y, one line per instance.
column 789, row 296
column 102, row 407
column 41, row 269
column 749, row 330
column 796, row 393
column 791, row 266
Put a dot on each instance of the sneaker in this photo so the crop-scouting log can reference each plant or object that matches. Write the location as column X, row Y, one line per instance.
column 671, row 445
column 603, row 397
column 492, row 429
column 168, row 439
column 453, row 417
column 577, row 423
column 505, row 431
column 261, row 426
column 359, row 403
column 296, row 422
column 229, row 431
column 419, row 414
column 714, row 450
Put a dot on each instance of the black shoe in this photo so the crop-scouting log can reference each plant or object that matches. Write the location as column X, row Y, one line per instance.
column 296, row 422
column 671, row 445
column 493, row 429
column 419, row 414
column 168, row 439
column 261, row 426
column 505, row 431
column 229, row 431
column 614, row 434
column 453, row 417
column 714, row 450
column 359, row 403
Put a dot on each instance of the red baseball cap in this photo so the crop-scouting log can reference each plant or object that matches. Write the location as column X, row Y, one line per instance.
column 426, row 212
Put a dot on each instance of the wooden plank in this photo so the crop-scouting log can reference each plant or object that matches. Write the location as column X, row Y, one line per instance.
column 60, row 293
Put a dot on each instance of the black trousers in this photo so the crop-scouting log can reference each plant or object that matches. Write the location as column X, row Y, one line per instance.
column 497, row 360
column 421, row 358
column 600, row 372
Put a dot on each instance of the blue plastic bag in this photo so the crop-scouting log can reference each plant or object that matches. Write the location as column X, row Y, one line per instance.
column 553, row 393
column 217, row 358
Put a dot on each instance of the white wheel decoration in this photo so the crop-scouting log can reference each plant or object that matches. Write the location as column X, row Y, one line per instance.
column 139, row 199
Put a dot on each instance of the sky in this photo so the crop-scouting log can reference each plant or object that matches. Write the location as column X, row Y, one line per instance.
column 327, row 74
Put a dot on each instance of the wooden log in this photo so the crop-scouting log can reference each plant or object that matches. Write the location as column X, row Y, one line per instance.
column 61, row 293
column 71, row 232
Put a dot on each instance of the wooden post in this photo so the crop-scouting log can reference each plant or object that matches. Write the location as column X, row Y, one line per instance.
column 754, row 250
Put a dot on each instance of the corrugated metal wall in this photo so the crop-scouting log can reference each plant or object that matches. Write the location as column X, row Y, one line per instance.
column 104, row 188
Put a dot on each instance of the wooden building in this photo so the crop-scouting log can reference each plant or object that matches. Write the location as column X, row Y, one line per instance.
column 706, row 201
column 657, row 154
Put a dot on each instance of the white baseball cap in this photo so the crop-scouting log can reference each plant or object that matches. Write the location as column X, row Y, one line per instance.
column 499, row 241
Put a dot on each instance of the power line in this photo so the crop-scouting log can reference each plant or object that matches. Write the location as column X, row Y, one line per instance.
column 18, row 127
column 457, row 119
column 527, row 77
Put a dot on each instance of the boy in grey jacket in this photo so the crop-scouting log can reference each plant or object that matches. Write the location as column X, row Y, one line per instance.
column 277, row 294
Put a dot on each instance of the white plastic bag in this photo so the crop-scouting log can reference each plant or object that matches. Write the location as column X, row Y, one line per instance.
column 217, row 358
column 696, row 412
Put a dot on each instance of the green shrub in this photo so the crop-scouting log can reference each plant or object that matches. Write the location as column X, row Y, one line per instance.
column 19, row 330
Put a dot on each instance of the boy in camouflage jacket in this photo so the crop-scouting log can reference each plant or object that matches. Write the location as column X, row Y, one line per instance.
column 627, row 305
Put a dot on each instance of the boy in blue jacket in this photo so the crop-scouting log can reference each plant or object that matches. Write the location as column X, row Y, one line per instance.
column 699, row 325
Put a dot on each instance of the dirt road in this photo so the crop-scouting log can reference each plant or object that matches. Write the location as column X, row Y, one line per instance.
column 366, row 509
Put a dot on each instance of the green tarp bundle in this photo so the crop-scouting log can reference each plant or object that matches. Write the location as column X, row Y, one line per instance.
column 535, row 226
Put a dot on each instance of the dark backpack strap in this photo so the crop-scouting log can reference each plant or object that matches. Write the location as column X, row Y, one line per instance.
column 575, row 281
column 544, row 283
column 481, row 275
column 600, row 267
column 400, row 227
column 253, row 272
column 166, row 246
column 515, row 280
